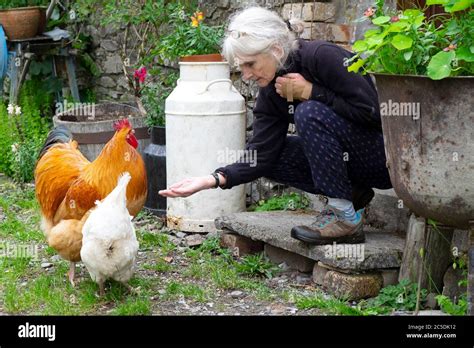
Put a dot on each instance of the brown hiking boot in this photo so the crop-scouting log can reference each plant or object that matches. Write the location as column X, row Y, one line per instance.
column 328, row 228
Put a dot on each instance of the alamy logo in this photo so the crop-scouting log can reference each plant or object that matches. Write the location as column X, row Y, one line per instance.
column 392, row 108
column 241, row 156
column 80, row 109
column 345, row 251
column 37, row 331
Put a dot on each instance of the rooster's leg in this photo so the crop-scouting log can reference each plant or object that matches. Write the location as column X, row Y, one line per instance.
column 71, row 273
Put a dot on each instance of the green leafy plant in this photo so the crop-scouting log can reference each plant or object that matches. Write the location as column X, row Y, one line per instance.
column 23, row 129
column 256, row 265
column 399, row 297
column 188, row 35
column 8, row 4
column 154, row 96
column 290, row 201
column 406, row 42
column 447, row 306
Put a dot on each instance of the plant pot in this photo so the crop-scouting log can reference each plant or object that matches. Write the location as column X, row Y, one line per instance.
column 21, row 23
column 42, row 21
column 155, row 162
column 215, row 57
column 430, row 157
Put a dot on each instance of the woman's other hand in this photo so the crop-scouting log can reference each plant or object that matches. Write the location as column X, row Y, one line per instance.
column 300, row 88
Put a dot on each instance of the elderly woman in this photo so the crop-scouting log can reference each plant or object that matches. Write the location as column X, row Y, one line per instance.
column 338, row 151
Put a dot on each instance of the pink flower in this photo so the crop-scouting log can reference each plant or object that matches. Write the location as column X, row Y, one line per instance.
column 140, row 74
column 394, row 19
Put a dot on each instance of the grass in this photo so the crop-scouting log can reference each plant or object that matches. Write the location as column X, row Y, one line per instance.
column 149, row 240
column 19, row 207
column 26, row 288
column 216, row 264
column 195, row 274
column 190, row 291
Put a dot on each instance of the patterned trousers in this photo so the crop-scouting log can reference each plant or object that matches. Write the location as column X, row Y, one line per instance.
column 331, row 154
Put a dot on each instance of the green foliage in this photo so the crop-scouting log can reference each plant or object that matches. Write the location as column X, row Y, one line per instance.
column 192, row 291
column 6, row 4
column 329, row 305
column 399, row 297
column 152, row 240
column 146, row 20
column 88, row 96
column 447, row 306
column 394, row 297
column 409, row 43
column 290, row 201
column 154, row 96
column 184, row 38
column 22, row 136
column 42, row 69
column 133, row 306
column 256, row 265
column 250, row 265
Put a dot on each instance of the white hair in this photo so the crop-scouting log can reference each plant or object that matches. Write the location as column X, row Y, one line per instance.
column 257, row 30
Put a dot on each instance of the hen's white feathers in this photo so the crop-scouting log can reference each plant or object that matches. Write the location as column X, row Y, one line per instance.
column 109, row 243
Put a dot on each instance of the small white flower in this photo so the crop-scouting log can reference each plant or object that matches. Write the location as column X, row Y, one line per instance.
column 10, row 109
column 15, row 147
column 17, row 110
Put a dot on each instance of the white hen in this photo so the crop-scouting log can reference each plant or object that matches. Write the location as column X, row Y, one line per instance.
column 109, row 243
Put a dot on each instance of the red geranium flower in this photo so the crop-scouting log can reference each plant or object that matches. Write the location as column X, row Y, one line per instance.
column 140, row 74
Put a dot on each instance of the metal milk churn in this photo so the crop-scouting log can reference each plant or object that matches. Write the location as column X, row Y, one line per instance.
column 205, row 121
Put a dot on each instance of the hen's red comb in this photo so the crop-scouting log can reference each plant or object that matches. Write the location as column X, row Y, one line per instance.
column 122, row 124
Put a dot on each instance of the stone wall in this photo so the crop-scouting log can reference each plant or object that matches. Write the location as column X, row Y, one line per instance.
column 331, row 20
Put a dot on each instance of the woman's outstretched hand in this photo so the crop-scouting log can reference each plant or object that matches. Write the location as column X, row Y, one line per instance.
column 189, row 186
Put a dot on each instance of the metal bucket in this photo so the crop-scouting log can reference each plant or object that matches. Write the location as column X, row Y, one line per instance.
column 428, row 129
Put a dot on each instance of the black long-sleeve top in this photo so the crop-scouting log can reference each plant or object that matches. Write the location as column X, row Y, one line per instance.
column 350, row 95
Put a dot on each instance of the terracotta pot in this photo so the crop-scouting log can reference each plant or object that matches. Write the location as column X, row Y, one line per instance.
column 20, row 23
column 42, row 22
column 215, row 57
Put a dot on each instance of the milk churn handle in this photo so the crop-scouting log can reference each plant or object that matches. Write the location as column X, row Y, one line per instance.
column 217, row 81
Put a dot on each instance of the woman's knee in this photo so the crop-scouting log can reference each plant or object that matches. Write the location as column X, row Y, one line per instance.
column 312, row 111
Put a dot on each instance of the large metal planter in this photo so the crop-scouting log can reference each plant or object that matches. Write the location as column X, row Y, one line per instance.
column 431, row 156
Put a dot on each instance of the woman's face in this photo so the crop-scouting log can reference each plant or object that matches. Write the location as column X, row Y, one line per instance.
column 260, row 68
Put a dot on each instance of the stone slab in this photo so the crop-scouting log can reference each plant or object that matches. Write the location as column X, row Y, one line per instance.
column 381, row 249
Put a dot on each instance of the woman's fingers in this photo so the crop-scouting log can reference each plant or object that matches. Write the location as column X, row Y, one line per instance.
column 183, row 188
column 166, row 193
column 294, row 76
column 177, row 184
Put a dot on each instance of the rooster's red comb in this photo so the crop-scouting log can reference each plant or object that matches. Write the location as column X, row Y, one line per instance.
column 122, row 124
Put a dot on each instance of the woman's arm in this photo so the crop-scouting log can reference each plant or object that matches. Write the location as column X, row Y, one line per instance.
column 350, row 95
column 270, row 127
column 269, row 135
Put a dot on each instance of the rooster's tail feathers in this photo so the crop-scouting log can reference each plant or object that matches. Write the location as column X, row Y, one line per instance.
column 59, row 134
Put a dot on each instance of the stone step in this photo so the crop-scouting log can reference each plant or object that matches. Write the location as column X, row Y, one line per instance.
column 381, row 249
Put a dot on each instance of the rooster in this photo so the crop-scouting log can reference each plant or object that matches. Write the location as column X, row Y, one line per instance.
column 67, row 185
column 109, row 243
